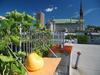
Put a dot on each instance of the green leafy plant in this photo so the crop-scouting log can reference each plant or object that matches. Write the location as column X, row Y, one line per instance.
column 9, row 33
column 43, row 43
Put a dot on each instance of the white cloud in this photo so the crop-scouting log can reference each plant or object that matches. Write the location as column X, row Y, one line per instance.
column 50, row 9
column 86, row 12
column 90, row 11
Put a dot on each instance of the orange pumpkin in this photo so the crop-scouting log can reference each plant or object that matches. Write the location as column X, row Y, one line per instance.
column 34, row 62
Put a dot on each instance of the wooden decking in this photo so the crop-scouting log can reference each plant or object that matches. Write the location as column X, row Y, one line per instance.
column 49, row 67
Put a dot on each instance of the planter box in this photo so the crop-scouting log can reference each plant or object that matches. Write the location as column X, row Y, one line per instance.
column 67, row 48
column 57, row 49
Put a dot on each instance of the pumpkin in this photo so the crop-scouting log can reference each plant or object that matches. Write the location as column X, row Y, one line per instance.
column 34, row 62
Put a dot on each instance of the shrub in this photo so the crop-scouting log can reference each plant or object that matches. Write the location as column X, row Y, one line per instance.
column 82, row 39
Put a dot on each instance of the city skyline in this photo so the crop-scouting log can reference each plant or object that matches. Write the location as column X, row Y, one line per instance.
column 55, row 8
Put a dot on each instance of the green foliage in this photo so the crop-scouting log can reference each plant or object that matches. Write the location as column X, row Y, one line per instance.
column 2, row 44
column 70, row 36
column 24, row 19
column 82, row 39
column 9, row 33
column 19, row 17
column 42, row 50
column 93, row 26
column 17, row 69
column 80, row 31
column 6, row 59
column 15, row 39
column 43, row 43
column 21, row 54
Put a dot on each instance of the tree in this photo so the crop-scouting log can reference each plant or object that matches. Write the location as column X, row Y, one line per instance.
column 82, row 39
column 93, row 28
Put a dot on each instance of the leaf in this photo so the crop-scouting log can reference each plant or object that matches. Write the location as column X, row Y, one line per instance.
column 6, row 58
column 17, row 68
column 21, row 54
column 3, row 45
column 15, row 39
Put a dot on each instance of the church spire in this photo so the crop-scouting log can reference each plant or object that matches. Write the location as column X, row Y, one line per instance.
column 81, row 16
column 81, row 10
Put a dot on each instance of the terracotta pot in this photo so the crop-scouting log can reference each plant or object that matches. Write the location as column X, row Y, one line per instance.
column 56, row 48
column 68, row 48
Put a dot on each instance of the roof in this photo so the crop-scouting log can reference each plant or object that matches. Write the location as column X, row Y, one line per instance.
column 66, row 20
column 98, row 34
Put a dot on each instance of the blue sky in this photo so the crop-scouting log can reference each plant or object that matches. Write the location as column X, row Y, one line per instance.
column 55, row 8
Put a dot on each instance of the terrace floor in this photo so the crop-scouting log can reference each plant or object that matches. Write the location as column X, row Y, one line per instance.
column 88, row 64
column 89, row 60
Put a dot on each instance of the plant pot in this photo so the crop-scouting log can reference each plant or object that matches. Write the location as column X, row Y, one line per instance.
column 68, row 48
column 56, row 48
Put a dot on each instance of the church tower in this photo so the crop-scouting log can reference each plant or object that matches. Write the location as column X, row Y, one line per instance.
column 81, row 16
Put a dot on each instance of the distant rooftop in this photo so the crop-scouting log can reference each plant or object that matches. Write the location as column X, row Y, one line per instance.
column 66, row 20
column 96, row 34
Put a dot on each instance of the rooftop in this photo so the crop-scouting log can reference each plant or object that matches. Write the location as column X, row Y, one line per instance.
column 89, row 61
column 66, row 20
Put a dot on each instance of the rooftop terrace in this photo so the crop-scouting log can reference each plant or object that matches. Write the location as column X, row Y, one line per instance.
column 89, row 61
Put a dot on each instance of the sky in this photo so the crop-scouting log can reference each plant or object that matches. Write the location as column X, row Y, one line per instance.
column 55, row 9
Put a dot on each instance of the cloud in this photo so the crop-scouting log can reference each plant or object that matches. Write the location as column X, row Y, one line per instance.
column 50, row 9
column 90, row 11
column 86, row 12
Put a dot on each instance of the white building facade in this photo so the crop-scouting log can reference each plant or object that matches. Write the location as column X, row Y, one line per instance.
column 68, row 25
column 65, row 25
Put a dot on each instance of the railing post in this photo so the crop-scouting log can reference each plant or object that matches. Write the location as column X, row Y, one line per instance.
column 77, row 60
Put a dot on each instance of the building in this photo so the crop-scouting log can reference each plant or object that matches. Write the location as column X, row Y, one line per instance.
column 40, row 17
column 67, row 25
column 94, row 38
